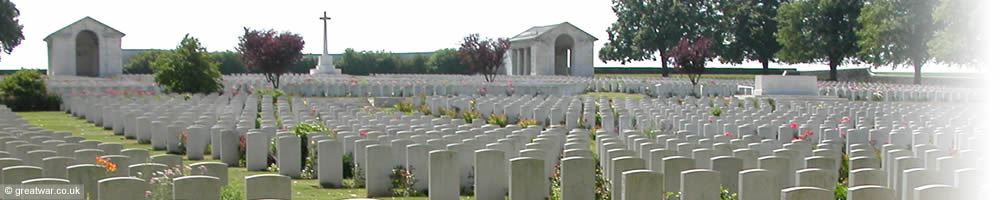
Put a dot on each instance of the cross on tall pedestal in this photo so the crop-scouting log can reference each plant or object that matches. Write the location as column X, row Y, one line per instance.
column 324, row 18
column 325, row 64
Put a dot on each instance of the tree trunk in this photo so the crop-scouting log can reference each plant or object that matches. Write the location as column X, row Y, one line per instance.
column 764, row 63
column 833, row 70
column 663, row 63
column 916, row 73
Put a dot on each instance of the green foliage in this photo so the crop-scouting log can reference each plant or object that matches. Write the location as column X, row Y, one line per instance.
column 771, row 102
column 602, row 184
column 447, row 61
column 303, row 65
column 229, row 62
column 958, row 41
column 416, row 64
column 818, row 31
column 426, row 110
column 368, row 62
column 141, row 63
column 750, row 28
column 524, row 123
column 644, row 28
column 470, row 115
column 269, row 92
column 716, row 111
column 895, row 33
column 10, row 26
column 25, row 91
column 725, row 194
column 448, row 112
column 348, row 161
column 231, row 192
column 840, row 192
column 499, row 119
column 187, row 69
column 756, row 103
column 404, row 106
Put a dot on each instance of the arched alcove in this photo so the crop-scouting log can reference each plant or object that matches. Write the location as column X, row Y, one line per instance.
column 563, row 55
column 87, row 54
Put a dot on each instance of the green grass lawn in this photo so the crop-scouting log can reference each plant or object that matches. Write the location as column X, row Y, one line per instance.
column 301, row 188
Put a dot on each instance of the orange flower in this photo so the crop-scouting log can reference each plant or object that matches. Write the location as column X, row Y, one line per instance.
column 108, row 165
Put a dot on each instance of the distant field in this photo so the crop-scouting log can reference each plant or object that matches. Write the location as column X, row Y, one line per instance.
column 676, row 75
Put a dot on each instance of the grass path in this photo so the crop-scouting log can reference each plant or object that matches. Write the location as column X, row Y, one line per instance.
column 301, row 189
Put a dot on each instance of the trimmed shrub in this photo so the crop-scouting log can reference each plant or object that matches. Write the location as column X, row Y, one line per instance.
column 25, row 91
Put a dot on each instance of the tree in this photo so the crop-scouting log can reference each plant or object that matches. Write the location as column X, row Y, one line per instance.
column 10, row 27
column 692, row 57
column 749, row 27
column 25, row 90
column 229, row 62
column 304, row 65
column 270, row 53
column 896, row 32
column 484, row 55
column 447, row 61
column 141, row 63
column 818, row 31
column 417, row 64
column 648, row 27
column 187, row 69
column 958, row 38
column 368, row 62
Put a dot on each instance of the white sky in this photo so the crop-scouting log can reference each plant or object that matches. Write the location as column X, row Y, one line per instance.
column 396, row 26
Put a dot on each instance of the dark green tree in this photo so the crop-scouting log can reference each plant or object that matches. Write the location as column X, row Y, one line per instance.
column 229, row 62
column 447, row 61
column 651, row 27
column 10, row 27
column 819, row 31
column 303, row 65
column 141, row 63
column 749, row 28
column 25, row 90
column 368, row 62
column 896, row 32
column 187, row 69
column 417, row 64
column 958, row 39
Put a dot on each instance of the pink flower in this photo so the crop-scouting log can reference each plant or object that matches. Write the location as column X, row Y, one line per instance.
column 510, row 82
column 364, row 133
column 149, row 193
column 728, row 134
column 794, row 124
column 844, row 119
column 843, row 134
column 202, row 167
column 168, row 172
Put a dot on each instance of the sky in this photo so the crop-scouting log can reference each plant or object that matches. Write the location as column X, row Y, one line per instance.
column 396, row 26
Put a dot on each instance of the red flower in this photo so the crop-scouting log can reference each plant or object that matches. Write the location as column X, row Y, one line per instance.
column 844, row 119
column 364, row 133
column 794, row 124
column 728, row 134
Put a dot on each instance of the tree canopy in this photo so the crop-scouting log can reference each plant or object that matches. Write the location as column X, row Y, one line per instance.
column 749, row 28
column 10, row 26
column 896, row 33
column 187, row 69
column 269, row 52
column 484, row 55
column 958, row 39
column 648, row 27
column 819, row 31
